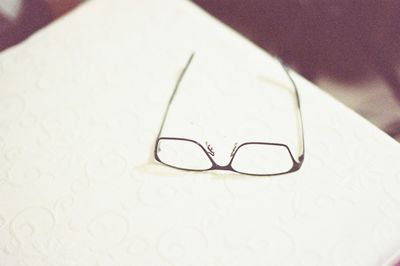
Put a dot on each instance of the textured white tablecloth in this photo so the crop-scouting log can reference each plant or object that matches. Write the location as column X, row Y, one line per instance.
column 80, row 105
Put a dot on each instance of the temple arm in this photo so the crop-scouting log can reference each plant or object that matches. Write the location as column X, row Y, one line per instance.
column 178, row 82
column 300, row 116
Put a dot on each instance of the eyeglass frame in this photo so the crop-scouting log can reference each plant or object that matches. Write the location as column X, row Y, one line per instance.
column 214, row 166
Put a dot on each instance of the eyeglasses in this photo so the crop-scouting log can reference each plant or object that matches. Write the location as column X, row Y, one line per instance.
column 250, row 158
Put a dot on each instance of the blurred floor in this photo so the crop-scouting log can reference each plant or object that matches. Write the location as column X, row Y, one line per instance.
column 371, row 98
column 20, row 18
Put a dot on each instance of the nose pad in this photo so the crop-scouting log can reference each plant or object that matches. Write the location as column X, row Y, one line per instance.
column 234, row 149
column 210, row 149
column 222, row 160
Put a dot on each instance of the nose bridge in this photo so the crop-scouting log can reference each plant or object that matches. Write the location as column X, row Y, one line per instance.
column 221, row 167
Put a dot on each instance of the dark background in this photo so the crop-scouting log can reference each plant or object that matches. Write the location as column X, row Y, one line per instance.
column 347, row 41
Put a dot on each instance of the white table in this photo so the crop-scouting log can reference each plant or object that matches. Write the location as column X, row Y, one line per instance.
column 80, row 105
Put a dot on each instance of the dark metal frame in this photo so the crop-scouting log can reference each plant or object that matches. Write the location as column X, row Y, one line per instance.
column 296, row 164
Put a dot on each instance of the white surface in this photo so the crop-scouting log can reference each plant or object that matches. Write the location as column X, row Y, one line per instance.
column 80, row 106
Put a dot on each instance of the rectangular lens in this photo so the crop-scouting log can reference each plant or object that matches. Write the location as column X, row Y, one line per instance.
column 182, row 153
column 262, row 159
